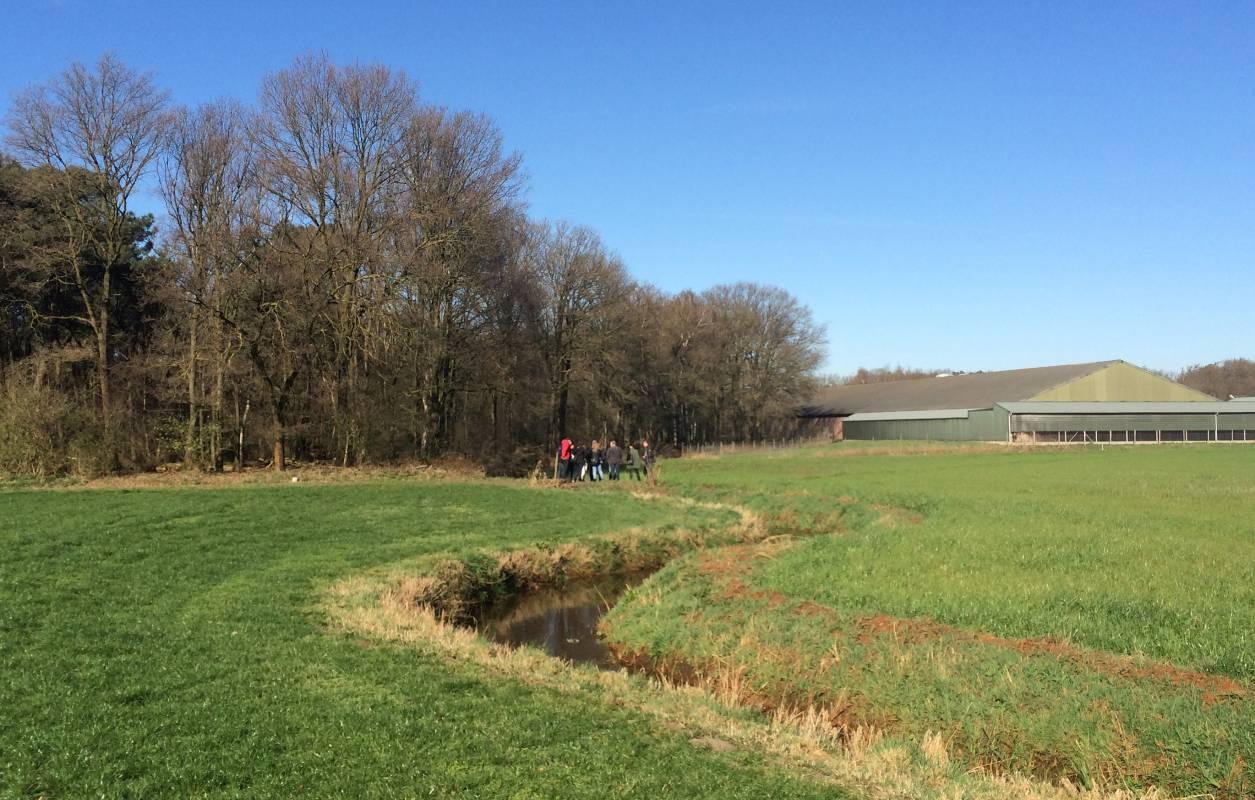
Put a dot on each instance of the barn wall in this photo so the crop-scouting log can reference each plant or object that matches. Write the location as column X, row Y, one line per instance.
column 819, row 428
column 987, row 425
column 1122, row 382
column 941, row 430
column 991, row 425
column 1131, row 422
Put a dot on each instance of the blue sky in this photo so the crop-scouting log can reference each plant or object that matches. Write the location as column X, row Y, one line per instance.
column 963, row 185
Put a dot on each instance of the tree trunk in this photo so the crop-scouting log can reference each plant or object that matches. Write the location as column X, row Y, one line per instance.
column 102, row 377
column 189, row 446
column 564, row 397
column 215, row 443
column 496, row 421
column 241, row 421
column 280, row 442
column 102, row 365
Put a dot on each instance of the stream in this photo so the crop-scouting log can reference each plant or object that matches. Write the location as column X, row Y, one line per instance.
column 562, row 622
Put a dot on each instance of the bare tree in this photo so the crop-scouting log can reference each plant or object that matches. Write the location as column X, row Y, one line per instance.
column 363, row 268
column 459, row 209
column 583, row 289
column 885, row 374
column 769, row 347
column 99, row 129
column 1223, row 379
column 207, row 182
column 329, row 142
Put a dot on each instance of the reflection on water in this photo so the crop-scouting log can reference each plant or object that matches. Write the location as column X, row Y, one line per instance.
column 563, row 622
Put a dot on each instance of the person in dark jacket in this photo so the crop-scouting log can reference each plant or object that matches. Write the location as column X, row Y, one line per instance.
column 634, row 462
column 579, row 463
column 614, row 460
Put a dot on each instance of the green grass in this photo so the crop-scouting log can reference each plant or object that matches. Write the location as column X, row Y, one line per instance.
column 170, row 644
column 1141, row 552
column 1131, row 550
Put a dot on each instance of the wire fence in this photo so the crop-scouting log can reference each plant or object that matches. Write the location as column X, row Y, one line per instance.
column 761, row 445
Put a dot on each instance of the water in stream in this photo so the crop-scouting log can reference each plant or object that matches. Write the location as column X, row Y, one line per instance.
column 562, row 622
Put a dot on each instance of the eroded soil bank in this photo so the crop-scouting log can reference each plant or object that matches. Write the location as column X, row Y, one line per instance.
column 805, row 733
column 706, row 624
column 1046, row 708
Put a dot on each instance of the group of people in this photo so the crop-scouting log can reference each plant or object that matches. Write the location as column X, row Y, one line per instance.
column 592, row 462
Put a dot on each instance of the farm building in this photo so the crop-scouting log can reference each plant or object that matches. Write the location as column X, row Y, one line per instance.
column 1104, row 401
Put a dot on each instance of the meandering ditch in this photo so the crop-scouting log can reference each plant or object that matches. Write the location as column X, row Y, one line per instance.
column 561, row 622
column 551, row 599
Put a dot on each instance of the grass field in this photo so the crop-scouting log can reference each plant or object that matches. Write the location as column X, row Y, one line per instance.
column 168, row 644
column 1087, row 614
column 901, row 616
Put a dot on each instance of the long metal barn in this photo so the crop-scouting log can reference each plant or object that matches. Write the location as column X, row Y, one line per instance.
column 1104, row 401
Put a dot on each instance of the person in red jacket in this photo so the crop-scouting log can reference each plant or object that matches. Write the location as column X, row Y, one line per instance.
column 564, row 459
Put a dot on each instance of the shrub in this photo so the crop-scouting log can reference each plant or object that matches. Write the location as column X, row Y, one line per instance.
column 44, row 434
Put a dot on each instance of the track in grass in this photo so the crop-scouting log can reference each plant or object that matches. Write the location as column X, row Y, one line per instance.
column 176, row 642
column 1080, row 615
column 169, row 644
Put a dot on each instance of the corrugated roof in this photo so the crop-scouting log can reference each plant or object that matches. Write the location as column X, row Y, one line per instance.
column 1130, row 407
column 970, row 391
column 881, row 416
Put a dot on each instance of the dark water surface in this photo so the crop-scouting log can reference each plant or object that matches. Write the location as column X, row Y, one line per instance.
column 562, row 622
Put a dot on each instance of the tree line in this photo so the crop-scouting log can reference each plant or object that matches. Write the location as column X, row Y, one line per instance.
column 339, row 272
column 886, row 374
column 1234, row 377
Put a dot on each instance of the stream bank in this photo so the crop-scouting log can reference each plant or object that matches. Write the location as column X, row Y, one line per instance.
column 561, row 622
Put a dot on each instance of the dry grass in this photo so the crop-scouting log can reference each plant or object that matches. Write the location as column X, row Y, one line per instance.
column 174, row 477
column 856, row 449
column 453, row 587
column 860, row 759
